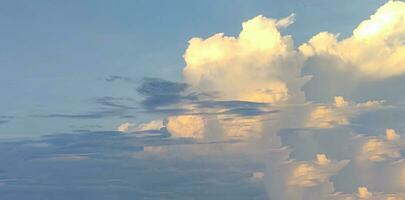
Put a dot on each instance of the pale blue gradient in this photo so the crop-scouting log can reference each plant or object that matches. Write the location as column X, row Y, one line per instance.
column 56, row 55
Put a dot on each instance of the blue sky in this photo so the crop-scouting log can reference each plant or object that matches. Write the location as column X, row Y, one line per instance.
column 147, row 99
column 56, row 55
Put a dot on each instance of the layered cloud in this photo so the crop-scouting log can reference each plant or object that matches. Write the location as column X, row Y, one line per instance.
column 242, row 102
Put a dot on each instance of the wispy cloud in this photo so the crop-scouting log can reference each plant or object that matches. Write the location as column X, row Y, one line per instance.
column 113, row 78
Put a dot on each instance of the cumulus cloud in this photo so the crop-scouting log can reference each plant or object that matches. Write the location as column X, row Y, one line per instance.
column 339, row 113
column 260, row 65
column 308, row 174
column 378, row 149
column 148, row 126
column 190, row 126
column 290, row 179
column 152, row 125
column 375, row 50
column 391, row 134
column 125, row 127
column 262, row 69
column 364, row 193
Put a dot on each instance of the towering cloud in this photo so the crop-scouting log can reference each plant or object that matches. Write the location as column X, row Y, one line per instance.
column 374, row 51
column 259, row 65
column 262, row 66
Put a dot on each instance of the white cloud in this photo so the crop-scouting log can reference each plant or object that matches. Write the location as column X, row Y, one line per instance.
column 285, row 22
column 321, row 159
column 364, row 193
column 125, row 127
column 375, row 50
column 308, row 174
column 391, row 134
column 259, row 65
column 377, row 149
column 191, row 126
column 152, row 125
column 339, row 113
column 290, row 179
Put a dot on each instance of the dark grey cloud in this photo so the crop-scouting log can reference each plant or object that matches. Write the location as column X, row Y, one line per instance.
column 241, row 108
column 110, row 107
column 128, row 117
column 159, row 92
column 230, row 104
column 113, row 78
column 89, row 115
column 248, row 111
column 115, row 102
column 156, row 86
column 5, row 118
column 104, row 165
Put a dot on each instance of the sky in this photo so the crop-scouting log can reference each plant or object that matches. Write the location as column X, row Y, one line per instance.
column 264, row 99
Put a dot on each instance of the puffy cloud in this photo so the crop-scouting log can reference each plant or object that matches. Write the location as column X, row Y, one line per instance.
column 340, row 102
column 191, row 126
column 125, row 127
column 364, row 193
column 290, row 179
column 259, row 65
column 152, row 125
column 380, row 149
column 375, row 50
column 326, row 117
column 321, row 159
column 262, row 66
column 339, row 113
column 308, row 174
column 391, row 134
